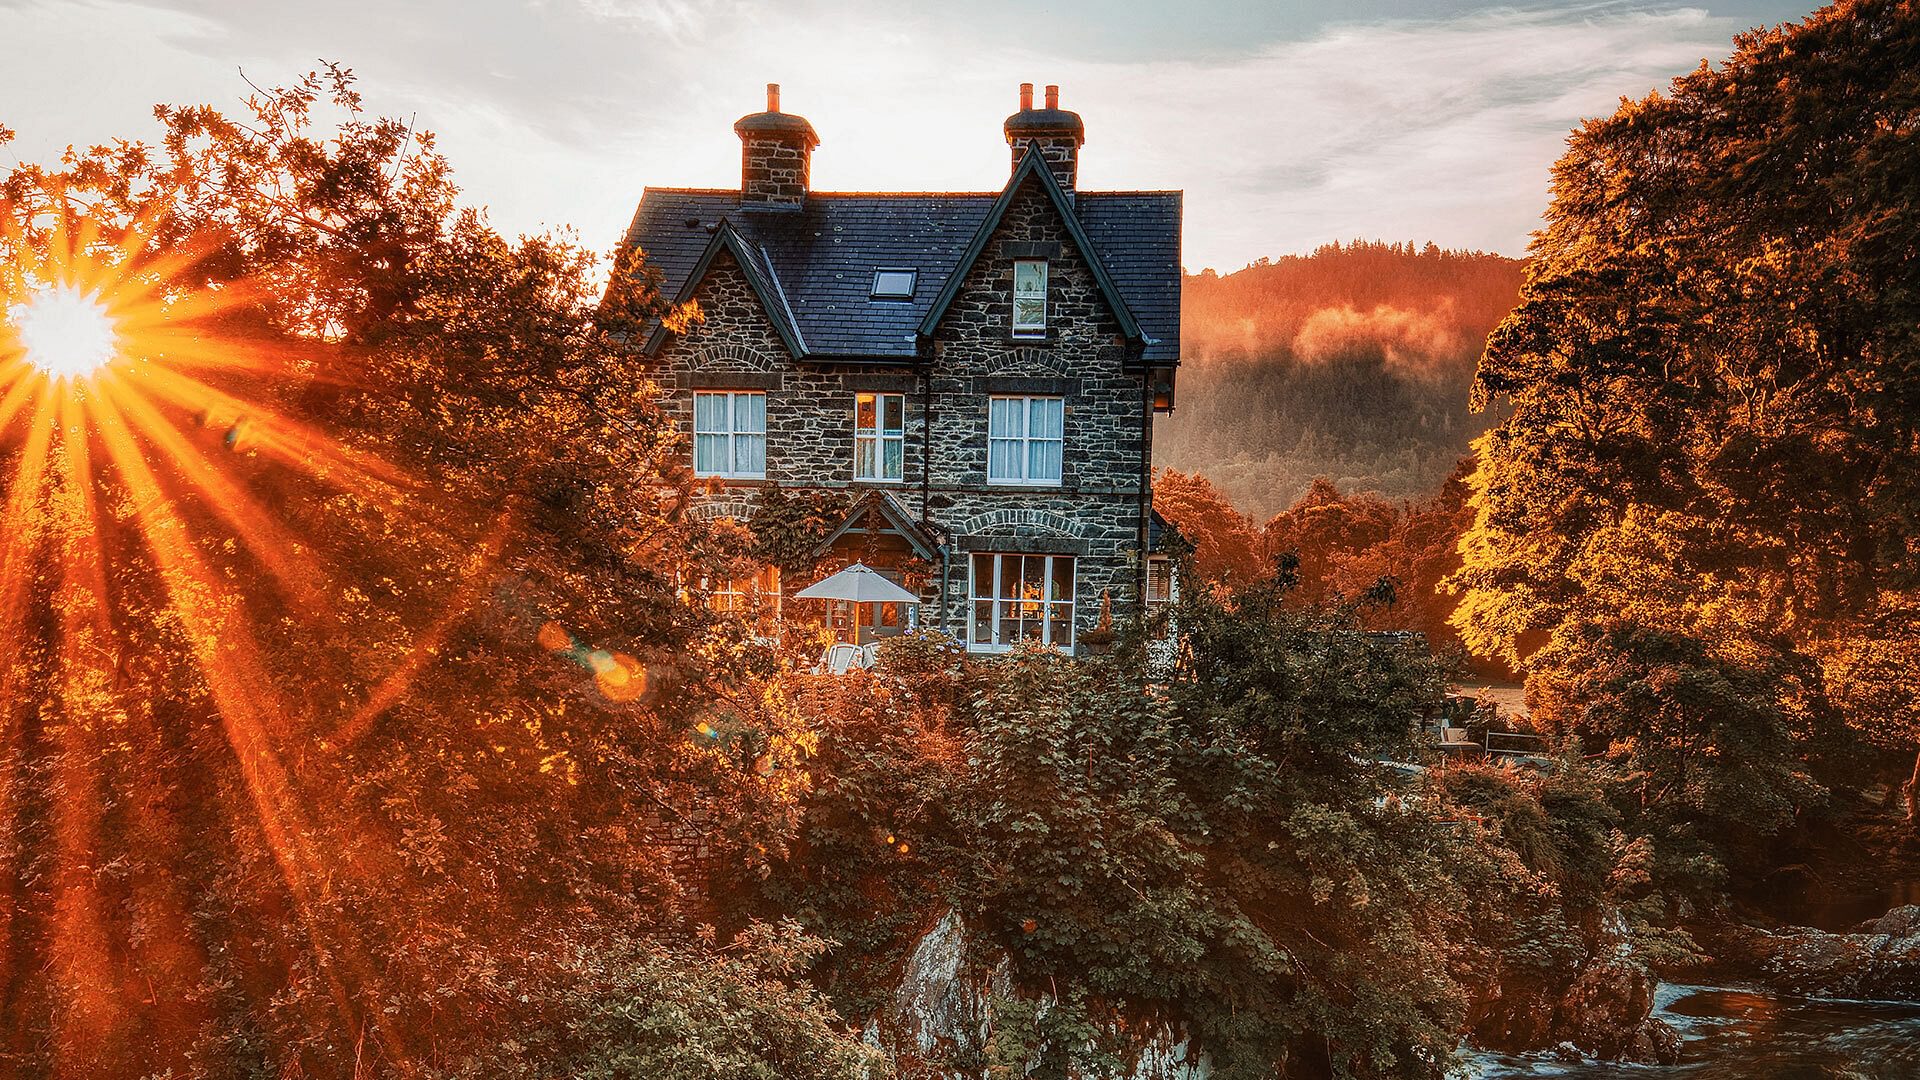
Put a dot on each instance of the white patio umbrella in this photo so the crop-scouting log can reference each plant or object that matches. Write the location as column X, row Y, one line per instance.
column 860, row 584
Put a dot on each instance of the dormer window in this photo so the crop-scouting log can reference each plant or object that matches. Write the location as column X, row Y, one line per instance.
column 1030, row 298
column 893, row 284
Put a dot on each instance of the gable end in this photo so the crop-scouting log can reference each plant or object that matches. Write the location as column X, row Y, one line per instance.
column 1032, row 165
column 765, row 286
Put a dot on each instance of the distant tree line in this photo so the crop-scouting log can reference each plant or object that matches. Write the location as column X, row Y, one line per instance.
column 1352, row 363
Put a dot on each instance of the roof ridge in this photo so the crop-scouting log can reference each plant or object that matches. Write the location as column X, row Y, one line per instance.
column 870, row 194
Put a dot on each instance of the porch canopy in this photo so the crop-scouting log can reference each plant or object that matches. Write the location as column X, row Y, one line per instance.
column 858, row 584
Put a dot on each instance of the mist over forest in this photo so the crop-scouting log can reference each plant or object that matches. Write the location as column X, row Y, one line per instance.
column 1351, row 363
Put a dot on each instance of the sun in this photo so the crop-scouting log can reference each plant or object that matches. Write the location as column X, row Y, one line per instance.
column 67, row 333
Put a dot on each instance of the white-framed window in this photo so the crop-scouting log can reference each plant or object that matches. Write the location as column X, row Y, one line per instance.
column 730, row 433
column 1029, row 297
column 1026, row 439
column 1159, row 581
column 1019, row 598
column 879, row 436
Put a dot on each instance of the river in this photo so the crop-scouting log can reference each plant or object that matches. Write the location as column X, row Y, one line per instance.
column 1738, row 1034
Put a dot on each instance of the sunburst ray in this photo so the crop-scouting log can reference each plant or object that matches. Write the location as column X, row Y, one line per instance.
column 121, row 463
column 82, row 698
column 285, row 560
column 243, row 696
column 20, row 535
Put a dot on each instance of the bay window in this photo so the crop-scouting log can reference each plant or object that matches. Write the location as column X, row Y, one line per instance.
column 730, row 434
column 1026, row 438
column 1019, row 598
column 879, row 436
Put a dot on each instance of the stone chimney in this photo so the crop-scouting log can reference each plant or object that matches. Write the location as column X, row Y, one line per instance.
column 1057, row 133
column 776, row 155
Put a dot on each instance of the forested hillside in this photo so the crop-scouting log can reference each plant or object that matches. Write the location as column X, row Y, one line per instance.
column 1351, row 363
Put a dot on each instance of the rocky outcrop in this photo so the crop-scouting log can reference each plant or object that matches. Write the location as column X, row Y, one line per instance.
column 940, row 1017
column 939, row 1020
column 1604, row 1011
column 1879, row 961
column 1607, row 1011
column 939, row 1011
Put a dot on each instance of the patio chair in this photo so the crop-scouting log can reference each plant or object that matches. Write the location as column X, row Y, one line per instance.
column 841, row 658
column 869, row 654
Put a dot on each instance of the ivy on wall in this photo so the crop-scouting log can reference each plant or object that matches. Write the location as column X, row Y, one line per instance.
column 789, row 525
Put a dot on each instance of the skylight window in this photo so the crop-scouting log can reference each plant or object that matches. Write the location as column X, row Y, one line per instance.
column 893, row 284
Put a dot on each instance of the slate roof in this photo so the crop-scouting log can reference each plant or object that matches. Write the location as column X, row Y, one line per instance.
column 817, row 262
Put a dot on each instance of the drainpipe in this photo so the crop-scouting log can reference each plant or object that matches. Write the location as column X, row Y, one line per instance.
column 946, row 561
column 1146, row 486
column 926, row 481
column 926, row 443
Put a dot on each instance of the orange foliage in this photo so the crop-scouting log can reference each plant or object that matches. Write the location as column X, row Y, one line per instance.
column 1346, row 543
column 1227, row 548
column 1332, row 533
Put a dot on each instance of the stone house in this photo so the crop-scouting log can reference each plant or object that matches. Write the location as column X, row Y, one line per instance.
column 973, row 374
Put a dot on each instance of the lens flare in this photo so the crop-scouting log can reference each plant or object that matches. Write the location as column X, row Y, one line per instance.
column 66, row 333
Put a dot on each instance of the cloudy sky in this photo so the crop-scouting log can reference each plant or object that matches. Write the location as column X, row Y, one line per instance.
column 1288, row 124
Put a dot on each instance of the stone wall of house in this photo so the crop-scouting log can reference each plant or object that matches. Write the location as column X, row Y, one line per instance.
column 1060, row 151
column 1094, row 514
column 809, row 407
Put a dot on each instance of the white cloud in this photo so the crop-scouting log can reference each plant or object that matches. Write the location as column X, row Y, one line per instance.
column 559, row 111
column 80, row 73
column 1430, row 130
column 678, row 19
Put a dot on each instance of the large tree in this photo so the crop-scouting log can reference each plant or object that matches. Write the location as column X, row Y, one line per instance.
column 1697, row 530
column 348, row 668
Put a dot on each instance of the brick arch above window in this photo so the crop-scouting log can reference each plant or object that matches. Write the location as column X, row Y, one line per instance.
column 1028, row 362
column 738, row 507
column 1023, row 519
column 731, row 357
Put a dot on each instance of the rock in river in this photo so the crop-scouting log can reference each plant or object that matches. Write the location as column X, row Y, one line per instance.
column 1881, row 961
